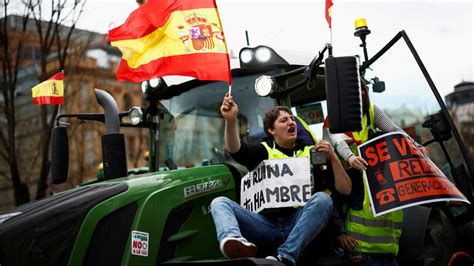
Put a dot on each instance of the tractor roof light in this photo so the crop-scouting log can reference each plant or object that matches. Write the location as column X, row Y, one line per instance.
column 265, row 85
column 135, row 115
column 263, row 54
column 144, row 86
column 151, row 87
column 155, row 82
column 259, row 56
column 246, row 56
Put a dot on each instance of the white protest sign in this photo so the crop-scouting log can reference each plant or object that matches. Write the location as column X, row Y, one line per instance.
column 276, row 183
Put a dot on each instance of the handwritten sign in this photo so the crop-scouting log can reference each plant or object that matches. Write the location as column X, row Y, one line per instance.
column 276, row 183
column 399, row 175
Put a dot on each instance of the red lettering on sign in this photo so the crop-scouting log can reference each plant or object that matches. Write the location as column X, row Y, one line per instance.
column 406, row 143
column 382, row 151
column 135, row 244
column 379, row 154
column 412, row 168
column 139, row 245
column 402, row 148
column 371, row 156
column 413, row 149
column 424, row 187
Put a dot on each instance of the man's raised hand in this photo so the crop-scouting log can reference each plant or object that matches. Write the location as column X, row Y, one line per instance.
column 229, row 108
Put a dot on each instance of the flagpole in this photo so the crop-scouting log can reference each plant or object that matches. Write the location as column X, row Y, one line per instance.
column 330, row 33
column 230, row 90
column 59, row 106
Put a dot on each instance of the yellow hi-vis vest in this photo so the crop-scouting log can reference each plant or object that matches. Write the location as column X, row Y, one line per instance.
column 374, row 234
column 277, row 154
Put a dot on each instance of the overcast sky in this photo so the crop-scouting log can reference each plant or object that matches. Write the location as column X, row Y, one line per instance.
column 441, row 31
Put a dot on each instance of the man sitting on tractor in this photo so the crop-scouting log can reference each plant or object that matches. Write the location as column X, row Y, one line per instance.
column 281, row 233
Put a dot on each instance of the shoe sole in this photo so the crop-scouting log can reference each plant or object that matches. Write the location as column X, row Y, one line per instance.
column 235, row 249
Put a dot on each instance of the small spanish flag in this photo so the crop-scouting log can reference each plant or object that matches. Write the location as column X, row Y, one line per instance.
column 328, row 12
column 49, row 91
column 172, row 37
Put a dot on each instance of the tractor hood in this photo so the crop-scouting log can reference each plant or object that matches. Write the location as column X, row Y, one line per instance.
column 75, row 224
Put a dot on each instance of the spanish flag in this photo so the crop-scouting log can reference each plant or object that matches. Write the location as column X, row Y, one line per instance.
column 328, row 12
column 49, row 91
column 172, row 37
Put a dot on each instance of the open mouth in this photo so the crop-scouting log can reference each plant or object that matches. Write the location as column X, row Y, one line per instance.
column 292, row 130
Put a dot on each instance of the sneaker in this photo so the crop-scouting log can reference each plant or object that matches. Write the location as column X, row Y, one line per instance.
column 234, row 248
column 279, row 258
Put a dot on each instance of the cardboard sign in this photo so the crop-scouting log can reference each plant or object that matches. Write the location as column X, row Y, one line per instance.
column 399, row 175
column 276, row 183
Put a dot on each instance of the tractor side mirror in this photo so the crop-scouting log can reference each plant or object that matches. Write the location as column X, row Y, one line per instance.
column 378, row 85
column 343, row 94
column 439, row 126
column 59, row 155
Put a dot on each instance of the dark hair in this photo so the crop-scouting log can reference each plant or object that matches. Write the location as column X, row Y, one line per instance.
column 365, row 97
column 271, row 116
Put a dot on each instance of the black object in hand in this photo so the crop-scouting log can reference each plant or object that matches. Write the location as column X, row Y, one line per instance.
column 317, row 157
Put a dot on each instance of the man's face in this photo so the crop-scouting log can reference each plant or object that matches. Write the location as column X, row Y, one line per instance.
column 284, row 128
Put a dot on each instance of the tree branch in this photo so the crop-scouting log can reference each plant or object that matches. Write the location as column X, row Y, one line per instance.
column 5, row 176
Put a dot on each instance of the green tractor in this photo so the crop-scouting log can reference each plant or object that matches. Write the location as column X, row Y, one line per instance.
column 160, row 214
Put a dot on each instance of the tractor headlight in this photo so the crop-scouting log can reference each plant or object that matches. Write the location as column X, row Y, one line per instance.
column 135, row 115
column 264, row 85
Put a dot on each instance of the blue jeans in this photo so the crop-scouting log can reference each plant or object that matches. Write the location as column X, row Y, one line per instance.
column 378, row 260
column 289, row 234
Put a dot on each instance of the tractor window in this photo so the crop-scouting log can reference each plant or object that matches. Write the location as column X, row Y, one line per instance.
column 406, row 97
column 192, row 131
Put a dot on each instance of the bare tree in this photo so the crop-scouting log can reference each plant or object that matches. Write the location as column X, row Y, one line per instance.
column 57, row 39
column 11, row 45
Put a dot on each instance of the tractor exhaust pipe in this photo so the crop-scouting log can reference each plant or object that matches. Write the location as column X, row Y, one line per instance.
column 59, row 155
column 113, row 143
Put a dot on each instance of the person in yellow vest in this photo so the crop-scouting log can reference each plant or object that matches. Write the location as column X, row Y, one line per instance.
column 372, row 240
column 279, row 233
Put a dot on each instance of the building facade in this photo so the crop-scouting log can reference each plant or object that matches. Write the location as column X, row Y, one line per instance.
column 461, row 106
column 92, row 63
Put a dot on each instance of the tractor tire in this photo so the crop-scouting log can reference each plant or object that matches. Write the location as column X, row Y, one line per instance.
column 440, row 239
